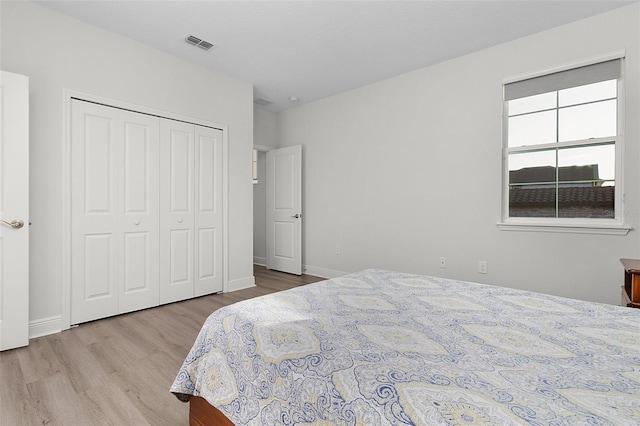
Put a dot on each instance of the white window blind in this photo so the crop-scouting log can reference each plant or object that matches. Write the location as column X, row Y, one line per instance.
column 594, row 73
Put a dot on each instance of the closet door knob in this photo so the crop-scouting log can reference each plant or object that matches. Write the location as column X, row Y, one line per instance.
column 179, row 220
column 137, row 222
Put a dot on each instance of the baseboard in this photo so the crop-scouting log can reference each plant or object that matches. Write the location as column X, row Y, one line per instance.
column 260, row 261
column 45, row 326
column 322, row 272
column 240, row 284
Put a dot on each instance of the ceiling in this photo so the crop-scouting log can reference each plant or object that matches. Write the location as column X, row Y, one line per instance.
column 314, row 49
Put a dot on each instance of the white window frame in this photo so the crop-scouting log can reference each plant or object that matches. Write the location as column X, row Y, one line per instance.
column 613, row 226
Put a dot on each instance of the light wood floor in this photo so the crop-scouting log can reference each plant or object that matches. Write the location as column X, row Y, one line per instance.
column 115, row 371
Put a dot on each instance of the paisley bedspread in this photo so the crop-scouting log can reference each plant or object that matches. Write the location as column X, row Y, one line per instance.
column 387, row 348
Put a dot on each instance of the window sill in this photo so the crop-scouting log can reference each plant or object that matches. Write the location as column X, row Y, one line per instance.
column 565, row 227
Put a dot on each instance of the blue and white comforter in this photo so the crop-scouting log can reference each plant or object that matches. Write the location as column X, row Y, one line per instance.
column 387, row 348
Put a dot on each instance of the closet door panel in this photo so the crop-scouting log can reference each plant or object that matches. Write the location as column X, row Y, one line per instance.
column 180, row 249
column 208, row 210
column 206, row 258
column 176, row 211
column 135, row 266
column 94, row 212
column 96, row 139
column 97, row 277
column 139, row 212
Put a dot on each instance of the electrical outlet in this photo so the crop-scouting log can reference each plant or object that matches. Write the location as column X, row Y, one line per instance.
column 443, row 262
column 482, row 266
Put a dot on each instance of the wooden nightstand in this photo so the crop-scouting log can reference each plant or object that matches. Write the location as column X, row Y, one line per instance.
column 631, row 288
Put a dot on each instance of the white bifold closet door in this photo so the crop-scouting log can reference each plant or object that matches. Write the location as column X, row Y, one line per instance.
column 190, row 211
column 115, row 211
column 146, row 211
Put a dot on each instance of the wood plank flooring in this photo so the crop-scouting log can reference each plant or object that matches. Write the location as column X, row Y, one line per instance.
column 118, row 370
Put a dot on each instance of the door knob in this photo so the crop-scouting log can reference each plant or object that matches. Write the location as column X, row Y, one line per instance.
column 15, row 224
column 297, row 216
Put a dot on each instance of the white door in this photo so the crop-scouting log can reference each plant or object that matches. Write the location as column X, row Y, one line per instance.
column 176, row 210
column 94, row 212
column 114, row 211
column 284, row 209
column 190, row 211
column 14, row 210
column 139, row 221
column 208, row 211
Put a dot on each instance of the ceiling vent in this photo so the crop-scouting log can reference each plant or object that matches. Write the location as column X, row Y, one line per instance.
column 204, row 45
column 198, row 42
column 262, row 101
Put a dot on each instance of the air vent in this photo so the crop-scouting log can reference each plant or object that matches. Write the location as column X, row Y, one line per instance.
column 198, row 42
column 192, row 40
column 262, row 101
column 204, row 45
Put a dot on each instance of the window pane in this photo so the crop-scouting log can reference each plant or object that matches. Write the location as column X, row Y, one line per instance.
column 588, row 195
column 532, row 189
column 528, row 167
column 532, row 129
column 532, row 103
column 595, row 163
column 578, row 201
column 594, row 120
column 588, row 93
column 533, row 202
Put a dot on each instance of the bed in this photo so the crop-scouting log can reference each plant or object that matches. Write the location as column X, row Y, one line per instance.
column 387, row 348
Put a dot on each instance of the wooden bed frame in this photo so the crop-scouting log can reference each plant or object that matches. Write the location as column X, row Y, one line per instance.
column 201, row 413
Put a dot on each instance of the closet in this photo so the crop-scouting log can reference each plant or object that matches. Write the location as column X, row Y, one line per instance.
column 146, row 211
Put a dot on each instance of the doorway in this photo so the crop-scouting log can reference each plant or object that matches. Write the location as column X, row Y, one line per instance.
column 282, row 206
column 260, row 207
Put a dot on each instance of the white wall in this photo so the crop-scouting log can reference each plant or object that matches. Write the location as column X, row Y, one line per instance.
column 406, row 170
column 57, row 53
column 265, row 133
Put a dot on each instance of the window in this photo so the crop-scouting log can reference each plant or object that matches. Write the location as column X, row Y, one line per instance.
column 562, row 146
